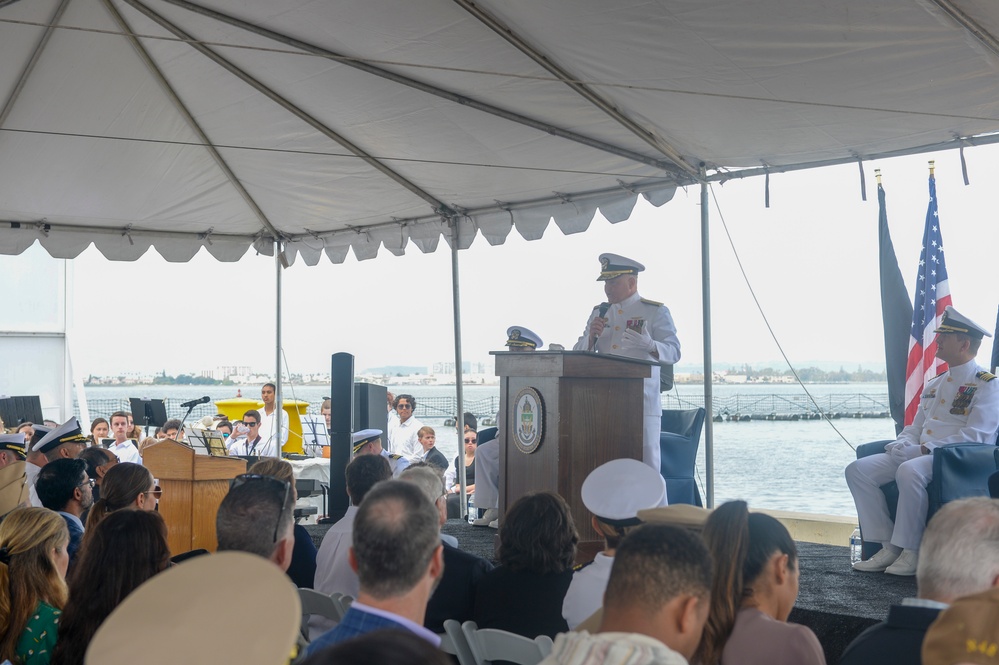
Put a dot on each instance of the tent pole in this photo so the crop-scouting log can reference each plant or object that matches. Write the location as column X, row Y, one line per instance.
column 460, row 416
column 278, row 397
column 709, row 448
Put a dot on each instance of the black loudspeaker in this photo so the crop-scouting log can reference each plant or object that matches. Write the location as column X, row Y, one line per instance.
column 370, row 410
column 17, row 410
column 342, row 393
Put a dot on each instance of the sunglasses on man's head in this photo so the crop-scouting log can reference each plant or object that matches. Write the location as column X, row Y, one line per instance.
column 279, row 487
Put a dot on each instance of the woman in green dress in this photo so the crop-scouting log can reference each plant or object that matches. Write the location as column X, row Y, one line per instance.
column 33, row 562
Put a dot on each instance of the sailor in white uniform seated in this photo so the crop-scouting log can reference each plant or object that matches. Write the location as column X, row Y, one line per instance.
column 960, row 405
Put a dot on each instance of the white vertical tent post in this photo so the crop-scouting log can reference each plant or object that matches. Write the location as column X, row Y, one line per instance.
column 460, row 417
column 709, row 448
column 278, row 399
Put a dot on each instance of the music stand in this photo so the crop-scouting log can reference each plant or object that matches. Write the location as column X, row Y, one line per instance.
column 146, row 411
column 206, row 442
column 314, row 434
column 17, row 410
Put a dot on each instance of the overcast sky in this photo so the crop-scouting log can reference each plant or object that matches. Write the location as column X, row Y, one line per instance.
column 811, row 258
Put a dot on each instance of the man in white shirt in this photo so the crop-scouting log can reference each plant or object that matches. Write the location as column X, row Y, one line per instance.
column 333, row 571
column 403, row 436
column 123, row 447
column 246, row 439
column 268, row 423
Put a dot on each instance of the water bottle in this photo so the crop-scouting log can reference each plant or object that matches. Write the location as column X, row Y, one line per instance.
column 856, row 551
column 472, row 513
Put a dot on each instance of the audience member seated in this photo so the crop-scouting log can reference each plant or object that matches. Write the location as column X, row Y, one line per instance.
column 451, row 477
column 230, row 608
column 65, row 487
column 524, row 593
column 615, row 512
column 33, row 561
column 27, row 429
column 334, row 573
column 398, row 556
column 755, row 584
column 966, row 633
column 64, row 442
column 99, row 429
column 369, row 442
column 428, row 438
column 302, row 569
column 257, row 516
column 124, row 439
column 959, row 557
column 384, row 647
column 402, row 433
column 656, row 603
column 12, row 449
column 34, row 462
column 126, row 486
column 98, row 460
column 124, row 550
column 454, row 597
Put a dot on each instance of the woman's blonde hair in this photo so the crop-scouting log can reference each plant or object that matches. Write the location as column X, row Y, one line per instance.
column 28, row 575
column 275, row 468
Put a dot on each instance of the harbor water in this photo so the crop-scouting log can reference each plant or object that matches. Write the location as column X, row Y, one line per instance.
column 783, row 465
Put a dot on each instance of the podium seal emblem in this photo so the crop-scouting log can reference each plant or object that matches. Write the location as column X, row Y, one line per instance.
column 529, row 419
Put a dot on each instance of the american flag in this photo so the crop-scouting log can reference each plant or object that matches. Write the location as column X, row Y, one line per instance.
column 932, row 296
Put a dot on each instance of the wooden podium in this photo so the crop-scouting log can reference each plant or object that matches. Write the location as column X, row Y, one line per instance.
column 590, row 413
column 193, row 487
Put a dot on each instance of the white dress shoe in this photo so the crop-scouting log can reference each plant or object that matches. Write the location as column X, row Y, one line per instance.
column 877, row 563
column 905, row 565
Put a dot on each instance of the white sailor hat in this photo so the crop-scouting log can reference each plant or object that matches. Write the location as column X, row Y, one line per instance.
column 69, row 432
column 13, row 443
column 364, row 437
column 520, row 337
column 201, row 611
column 613, row 265
column 617, row 490
column 41, row 431
column 955, row 322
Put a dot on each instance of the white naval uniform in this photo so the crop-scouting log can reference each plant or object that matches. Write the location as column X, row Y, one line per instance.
column 30, row 476
column 397, row 463
column 656, row 320
column 586, row 591
column 934, row 425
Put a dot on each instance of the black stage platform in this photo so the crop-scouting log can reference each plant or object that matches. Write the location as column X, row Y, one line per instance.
column 834, row 601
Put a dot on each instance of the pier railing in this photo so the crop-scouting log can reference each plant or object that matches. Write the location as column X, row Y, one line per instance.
column 738, row 407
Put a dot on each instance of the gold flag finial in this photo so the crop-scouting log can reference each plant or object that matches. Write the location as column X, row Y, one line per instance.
column 877, row 175
column 932, row 166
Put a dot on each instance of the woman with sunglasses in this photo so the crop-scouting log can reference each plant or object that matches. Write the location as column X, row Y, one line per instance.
column 451, row 477
column 126, row 486
column 33, row 562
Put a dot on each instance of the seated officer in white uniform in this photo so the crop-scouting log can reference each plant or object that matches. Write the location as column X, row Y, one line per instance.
column 631, row 326
column 518, row 338
column 960, row 405
column 614, row 492
column 369, row 442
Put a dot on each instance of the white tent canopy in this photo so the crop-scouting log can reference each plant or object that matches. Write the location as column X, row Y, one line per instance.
column 351, row 125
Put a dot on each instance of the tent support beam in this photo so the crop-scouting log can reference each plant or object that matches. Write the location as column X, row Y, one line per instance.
column 32, row 61
column 188, row 118
column 459, row 421
column 709, row 439
column 437, row 205
column 977, row 31
column 462, row 100
column 278, row 392
column 582, row 89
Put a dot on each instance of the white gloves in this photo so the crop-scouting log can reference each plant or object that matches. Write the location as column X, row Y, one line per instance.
column 903, row 453
column 642, row 341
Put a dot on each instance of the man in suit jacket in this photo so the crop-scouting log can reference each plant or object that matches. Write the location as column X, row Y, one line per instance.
column 399, row 559
column 959, row 556
column 64, row 486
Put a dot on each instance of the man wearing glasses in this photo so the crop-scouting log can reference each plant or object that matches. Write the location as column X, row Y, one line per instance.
column 246, row 439
column 403, row 436
column 65, row 487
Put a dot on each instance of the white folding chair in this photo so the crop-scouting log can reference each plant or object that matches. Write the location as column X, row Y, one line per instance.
column 489, row 644
column 453, row 642
column 343, row 602
column 314, row 602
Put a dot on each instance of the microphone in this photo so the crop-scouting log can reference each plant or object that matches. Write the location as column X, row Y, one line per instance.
column 194, row 402
column 602, row 310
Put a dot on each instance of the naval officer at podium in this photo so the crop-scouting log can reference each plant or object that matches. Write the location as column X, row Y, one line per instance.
column 631, row 326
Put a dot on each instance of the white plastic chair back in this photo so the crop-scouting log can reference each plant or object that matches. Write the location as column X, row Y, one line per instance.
column 489, row 644
column 314, row 602
column 453, row 642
